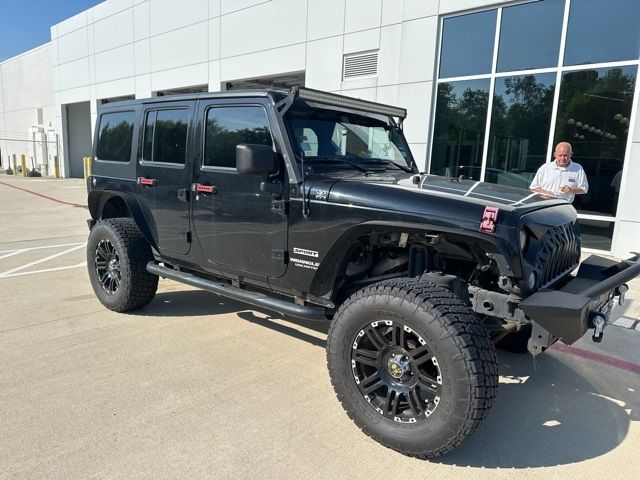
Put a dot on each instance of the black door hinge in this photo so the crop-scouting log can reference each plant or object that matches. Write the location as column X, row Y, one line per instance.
column 279, row 255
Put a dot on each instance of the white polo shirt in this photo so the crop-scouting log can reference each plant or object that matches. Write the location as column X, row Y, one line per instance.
column 552, row 177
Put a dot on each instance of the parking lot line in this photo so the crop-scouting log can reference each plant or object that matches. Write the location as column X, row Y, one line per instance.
column 81, row 264
column 11, row 253
column 16, row 251
column 36, row 262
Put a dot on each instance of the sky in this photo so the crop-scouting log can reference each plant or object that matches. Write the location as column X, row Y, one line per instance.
column 26, row 24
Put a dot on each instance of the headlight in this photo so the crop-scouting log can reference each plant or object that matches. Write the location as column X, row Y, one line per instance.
column 524, row 239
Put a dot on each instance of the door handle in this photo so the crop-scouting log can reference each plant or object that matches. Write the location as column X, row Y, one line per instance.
column 203, row 189
column 147, row 182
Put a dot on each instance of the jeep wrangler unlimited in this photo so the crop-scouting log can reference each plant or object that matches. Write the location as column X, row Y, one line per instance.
column 310, row 204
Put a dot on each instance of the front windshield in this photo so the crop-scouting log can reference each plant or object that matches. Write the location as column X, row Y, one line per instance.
column 338, row 139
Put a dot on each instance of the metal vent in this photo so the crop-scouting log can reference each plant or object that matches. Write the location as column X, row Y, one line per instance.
column 362, row 64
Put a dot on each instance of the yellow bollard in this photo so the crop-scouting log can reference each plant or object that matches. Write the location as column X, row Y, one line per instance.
column 87, row 167
column 56, row 167
column 15, row 165
column 23, row 160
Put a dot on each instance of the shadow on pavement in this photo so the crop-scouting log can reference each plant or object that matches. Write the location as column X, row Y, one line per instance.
column 553, row 417
column 546, row 413
column 189, row 303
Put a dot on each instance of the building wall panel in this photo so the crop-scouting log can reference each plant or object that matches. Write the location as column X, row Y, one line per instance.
column 73, row 46
column 270, row 62
column 324, row 64
column 113, row 31
column 325, row 19
column 115, row 64
column 179, row 48
column 272, row 24
column 166, row 15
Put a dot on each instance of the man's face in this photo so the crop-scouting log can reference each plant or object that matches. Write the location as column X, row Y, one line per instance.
column 562, row 155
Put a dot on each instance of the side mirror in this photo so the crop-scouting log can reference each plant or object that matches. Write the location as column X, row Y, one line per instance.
column 252, row 159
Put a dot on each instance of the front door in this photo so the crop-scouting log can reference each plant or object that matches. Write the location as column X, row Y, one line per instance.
column 164, row 175
column 237, row 225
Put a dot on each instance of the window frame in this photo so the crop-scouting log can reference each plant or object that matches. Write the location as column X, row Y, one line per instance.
column 203, row 145
column 143, row 135
column 133, row 131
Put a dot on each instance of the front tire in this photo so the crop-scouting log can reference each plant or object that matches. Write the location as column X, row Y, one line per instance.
column 117, row 257
column 412, row 366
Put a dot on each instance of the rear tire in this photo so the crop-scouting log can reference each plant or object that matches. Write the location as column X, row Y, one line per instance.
column 412, row 366
column 117, row 257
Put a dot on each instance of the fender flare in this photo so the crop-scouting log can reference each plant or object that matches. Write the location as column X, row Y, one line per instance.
column 324, row 280
column 97, row 199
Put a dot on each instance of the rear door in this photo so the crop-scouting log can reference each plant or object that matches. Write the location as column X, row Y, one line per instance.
column 164, row 176
column 237, row 225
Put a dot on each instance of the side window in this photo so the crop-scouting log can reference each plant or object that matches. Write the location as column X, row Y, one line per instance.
column 229, row 126
column 165, row 136
column 114, row 136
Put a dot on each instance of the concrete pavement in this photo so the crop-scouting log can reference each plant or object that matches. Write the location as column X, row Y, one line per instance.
column 195, row 386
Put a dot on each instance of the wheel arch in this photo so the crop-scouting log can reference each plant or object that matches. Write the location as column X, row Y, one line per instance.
column 105, row 204
column 325, row 280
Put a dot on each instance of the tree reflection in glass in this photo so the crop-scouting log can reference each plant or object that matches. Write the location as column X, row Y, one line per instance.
column 227, row 127
column 461, row 115
column 519, row 128
column 593, row 115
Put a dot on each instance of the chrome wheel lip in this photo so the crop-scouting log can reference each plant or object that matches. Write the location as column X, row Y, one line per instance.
column 107, row 266
column 408, row 385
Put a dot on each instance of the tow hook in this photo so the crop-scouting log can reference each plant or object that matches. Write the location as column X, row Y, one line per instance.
column 622, row 290
column 599, row 323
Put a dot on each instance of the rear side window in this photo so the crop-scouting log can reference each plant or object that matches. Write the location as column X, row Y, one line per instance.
column 114, row 136
column 165, row 136
column 229, row 126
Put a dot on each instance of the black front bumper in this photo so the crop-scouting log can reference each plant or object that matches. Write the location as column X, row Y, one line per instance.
column 566, row 313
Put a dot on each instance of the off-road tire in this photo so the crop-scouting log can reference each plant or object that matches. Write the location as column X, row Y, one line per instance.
column 136, row 287
column 451, row 331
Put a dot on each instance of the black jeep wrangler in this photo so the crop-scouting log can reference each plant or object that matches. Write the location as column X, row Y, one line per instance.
column 310, row 204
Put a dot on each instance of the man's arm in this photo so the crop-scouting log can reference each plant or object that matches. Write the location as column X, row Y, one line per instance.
column 543, row 191
column 582, row 185
column 574, row 190
column 535, row 184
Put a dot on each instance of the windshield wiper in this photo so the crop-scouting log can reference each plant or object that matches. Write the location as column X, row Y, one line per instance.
column 336, row 160
column 395, row 164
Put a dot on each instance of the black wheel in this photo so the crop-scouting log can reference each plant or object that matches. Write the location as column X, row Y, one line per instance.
column 516, row 342
column 117, row 255
column 412, row 366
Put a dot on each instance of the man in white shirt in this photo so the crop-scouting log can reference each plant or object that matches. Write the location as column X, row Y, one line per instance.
column 561, row 178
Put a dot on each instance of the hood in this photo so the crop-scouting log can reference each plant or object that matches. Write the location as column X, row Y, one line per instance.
column 428, row 195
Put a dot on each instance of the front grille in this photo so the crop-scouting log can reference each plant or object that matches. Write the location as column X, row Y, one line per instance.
column 559, row 253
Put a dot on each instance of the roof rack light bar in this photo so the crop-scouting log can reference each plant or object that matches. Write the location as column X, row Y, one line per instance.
column 348, row 102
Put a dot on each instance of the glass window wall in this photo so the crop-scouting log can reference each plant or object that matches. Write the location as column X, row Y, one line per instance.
column 530, row 36
column 467, row 44
column 593, row 115
column 590, row 107
column 461, row 116
column 520, row 123
column 601, row 31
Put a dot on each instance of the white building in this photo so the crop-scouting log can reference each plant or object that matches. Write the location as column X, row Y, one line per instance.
column 490, row 85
